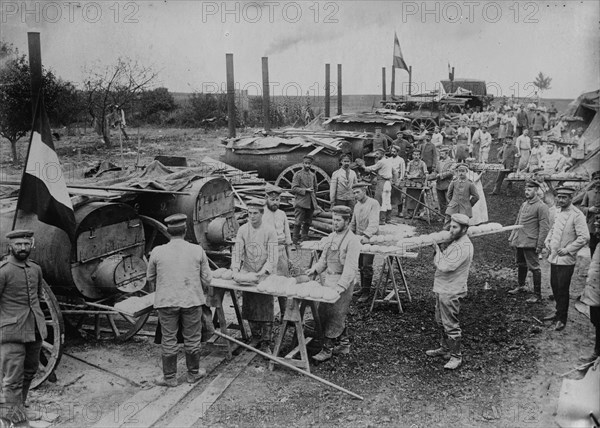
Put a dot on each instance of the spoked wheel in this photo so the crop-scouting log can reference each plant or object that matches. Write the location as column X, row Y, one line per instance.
column 52, row 346
column 102, row 323
column 155, row 233
column 427, row 121
column 323, row 180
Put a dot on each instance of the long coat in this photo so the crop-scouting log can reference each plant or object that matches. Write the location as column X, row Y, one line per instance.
column 20, row 295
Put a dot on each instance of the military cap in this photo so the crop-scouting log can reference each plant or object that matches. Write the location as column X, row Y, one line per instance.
column 398, row 132
column 531, row 183
column 341, row 210
column 596, row 175
column 462, row 166
column 270, row 188
column 565, row 190
column 309, row 157
column 346, row 155
column 176, row 220
column 255, row 203
column 444, row 149
column 360, row 185
column 537, row 137
column 460, row 219
column 20, row 233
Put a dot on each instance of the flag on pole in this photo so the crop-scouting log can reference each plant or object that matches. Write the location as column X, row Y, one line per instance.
column 43, row 192
column 398, row 57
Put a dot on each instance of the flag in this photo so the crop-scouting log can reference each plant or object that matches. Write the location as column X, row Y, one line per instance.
column 398, row 58
column 43, row 190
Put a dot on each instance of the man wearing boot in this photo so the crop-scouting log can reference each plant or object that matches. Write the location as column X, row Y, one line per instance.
column 339, row 261
column 508, row 154
column 462, row 195
column 304, row 186
column 567, row 236
column 364, row 225
column 179, row 271
column 529, row 240
column 255, row 250
column 591, row 297
column 444, row 171
column 22, row 324
column 450, row 286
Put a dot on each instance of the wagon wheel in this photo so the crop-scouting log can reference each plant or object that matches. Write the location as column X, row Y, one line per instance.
column 52, row 346
column 427, row 121
column 284, row 180
column 155, row 233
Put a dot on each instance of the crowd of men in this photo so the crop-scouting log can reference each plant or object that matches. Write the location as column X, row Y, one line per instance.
column 180, row 273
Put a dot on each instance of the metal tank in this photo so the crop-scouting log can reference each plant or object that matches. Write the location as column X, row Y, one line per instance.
column 105, row 259
column 209, row 206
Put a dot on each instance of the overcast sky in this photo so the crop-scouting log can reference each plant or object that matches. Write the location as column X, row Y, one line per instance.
column 504, row 43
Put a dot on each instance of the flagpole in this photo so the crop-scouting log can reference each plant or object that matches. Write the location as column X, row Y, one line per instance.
column 35, row 67
column 409, row 79
column 393, row 82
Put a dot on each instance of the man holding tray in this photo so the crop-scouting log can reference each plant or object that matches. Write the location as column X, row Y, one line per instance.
column 339, row 261
column 255, row 250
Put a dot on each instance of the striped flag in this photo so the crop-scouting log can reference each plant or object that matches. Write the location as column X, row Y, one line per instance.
column 43, row 190
column 398, row 57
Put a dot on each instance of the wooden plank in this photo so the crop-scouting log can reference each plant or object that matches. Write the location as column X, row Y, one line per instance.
column 138, row 402
column 295, row 351
column 195, row 410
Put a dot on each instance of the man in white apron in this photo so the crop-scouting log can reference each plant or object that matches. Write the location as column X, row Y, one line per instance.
column 339, row 261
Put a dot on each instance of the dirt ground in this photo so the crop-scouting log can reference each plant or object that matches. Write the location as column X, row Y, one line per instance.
column 512, row 363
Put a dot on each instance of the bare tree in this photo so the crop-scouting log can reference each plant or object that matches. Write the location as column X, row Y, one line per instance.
column 112, row 88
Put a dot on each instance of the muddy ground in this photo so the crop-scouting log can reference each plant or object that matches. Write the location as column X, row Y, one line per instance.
column 512, row 362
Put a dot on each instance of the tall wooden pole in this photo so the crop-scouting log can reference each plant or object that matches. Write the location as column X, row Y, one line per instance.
column 393, row 82
column 339, row 89
column 230, row 94
column 383, row 83
column 327, row 92
column 409, row 79
column 266, row 98
column 35, row 65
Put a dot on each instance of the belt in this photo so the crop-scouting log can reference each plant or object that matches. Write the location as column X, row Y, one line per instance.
column 328, row 272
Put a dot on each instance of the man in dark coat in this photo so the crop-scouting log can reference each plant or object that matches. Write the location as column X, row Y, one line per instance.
column 22, row 323
column 304, row 186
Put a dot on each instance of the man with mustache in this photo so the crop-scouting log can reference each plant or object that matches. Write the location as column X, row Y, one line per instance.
column 304, row 186
column 342, row 180
column 22, row 323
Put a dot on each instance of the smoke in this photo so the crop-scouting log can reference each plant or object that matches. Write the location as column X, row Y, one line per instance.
column 283, row 44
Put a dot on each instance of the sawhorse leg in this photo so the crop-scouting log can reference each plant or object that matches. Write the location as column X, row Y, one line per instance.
column 388, row 268
column 293, row 317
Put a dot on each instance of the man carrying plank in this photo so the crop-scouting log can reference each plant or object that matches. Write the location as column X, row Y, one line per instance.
column 450, row 286
column 179, row 272
column 255, row 250
column 339, row 261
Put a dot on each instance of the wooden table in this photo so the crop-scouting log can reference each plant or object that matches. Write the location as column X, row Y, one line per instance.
column 293, row 316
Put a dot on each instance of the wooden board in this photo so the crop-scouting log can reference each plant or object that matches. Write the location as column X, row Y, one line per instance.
column 195, row 410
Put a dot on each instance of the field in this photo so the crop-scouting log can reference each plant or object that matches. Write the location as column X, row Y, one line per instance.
column 512, row 362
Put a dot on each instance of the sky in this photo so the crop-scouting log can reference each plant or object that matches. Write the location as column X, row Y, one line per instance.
column 505, row 43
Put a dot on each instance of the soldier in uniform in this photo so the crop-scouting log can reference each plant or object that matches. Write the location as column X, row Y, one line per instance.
column 339, row 261
column 462, row 195
column 22, row 323
column 255, row 250
column 180, row 272
column 304, row 186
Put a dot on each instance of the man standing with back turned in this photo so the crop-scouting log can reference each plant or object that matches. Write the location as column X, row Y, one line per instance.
column 180, row 272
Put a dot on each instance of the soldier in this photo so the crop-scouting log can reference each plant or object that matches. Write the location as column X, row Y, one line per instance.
column 340, row 262
column 386, row 175
column 380, row 141
column 590, row 206
column 529, row 240
column 275, row 217
column 304, row 186
column 462, row 195
column 365, row 224
column 180, row 273
column 444, row 172
column 22, row 323
column 450, row 286
column 342, row 180
column 255, row 250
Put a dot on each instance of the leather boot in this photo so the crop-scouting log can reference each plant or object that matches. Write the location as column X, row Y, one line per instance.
column 521, row 277
column 442, row 351
column 169, row 377
column 343, row 344
column 381, row 218
column 265, row 340
column 537, row 287
column 192, row 362
column 25, row 392
column 455, row 354
column 388, row 216
column 296, row 239
column 326, row 351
